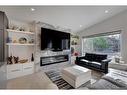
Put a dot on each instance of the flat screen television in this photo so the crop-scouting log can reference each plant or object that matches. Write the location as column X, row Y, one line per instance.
column 54, row 40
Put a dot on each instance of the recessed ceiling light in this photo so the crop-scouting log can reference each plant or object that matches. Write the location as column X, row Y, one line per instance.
column 80, row 25
column 32, row 9
column 106, row 11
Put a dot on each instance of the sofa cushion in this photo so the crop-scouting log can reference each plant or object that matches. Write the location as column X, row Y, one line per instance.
column 97, row 63
column 95, row 57
column 99, row 58
column 89, row 56
column 84, row 60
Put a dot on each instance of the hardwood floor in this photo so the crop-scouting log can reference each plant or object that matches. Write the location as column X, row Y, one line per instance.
column 34, row 81
column 39, row 80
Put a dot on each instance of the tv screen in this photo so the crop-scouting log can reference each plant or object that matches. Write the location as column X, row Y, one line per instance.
column 54, row 40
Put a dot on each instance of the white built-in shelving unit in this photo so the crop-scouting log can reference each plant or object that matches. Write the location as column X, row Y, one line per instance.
column 23, row 51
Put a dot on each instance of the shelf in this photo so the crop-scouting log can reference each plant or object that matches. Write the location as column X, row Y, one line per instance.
column 31, row 62
column 23, row 32
column 18, row 44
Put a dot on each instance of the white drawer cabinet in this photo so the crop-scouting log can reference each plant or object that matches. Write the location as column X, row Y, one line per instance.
column 17, row 70
column 14, row 71
column 28, row 68
column 14, row 67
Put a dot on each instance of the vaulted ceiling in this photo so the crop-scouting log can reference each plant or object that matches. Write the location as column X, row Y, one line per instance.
column 75, row 18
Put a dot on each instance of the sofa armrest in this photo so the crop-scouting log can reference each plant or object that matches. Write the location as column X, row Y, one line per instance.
column 106, row 60
column 80, row 57
column 104, row 65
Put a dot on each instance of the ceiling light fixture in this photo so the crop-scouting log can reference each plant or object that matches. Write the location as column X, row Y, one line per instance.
column 106, row 11
column 80, row 25
column 32, row 9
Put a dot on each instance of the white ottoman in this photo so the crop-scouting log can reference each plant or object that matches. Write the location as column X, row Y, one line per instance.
column 76, row 75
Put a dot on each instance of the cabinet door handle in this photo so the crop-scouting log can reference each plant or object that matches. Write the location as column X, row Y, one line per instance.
column 28, row 68
column 15, row 70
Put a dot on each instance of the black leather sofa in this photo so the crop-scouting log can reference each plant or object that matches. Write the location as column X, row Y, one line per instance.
column 94, row 61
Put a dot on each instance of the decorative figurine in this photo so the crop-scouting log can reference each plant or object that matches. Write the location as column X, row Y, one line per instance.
column 31, row 41
column 16, row 59
column 9, row 60
column 9, row 40
column 32, row 58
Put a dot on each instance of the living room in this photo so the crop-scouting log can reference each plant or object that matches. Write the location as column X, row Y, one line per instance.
column 52, row 47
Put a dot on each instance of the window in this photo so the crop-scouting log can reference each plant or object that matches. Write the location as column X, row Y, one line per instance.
column 103, row 44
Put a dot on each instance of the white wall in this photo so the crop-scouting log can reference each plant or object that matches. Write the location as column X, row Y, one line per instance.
column 117, row 22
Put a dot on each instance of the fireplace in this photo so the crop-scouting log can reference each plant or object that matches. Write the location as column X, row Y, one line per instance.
column 48, row 60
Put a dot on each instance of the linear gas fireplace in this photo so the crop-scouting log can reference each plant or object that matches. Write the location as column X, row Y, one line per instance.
column 53, row 59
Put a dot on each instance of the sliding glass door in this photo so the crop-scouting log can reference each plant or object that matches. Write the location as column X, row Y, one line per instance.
column 108, row 43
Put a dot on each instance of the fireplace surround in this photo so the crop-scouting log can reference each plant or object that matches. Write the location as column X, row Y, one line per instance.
column 48, row 60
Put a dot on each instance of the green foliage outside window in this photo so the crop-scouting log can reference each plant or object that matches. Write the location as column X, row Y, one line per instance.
column 100, row 43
